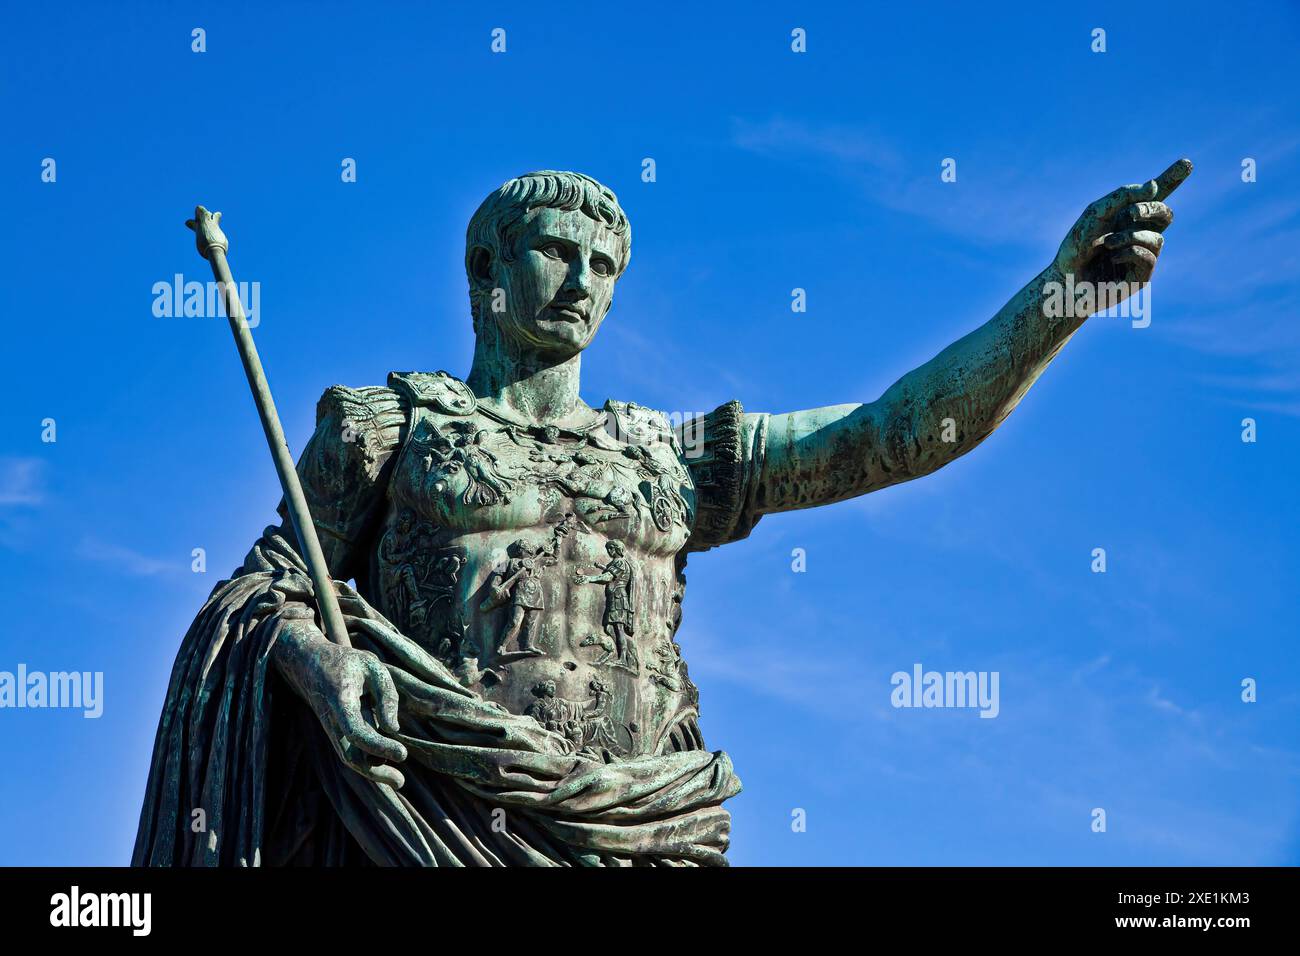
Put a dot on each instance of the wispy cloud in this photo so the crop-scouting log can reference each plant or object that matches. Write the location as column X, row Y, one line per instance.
column 1074, row 733
column 1162, row 703
column 769, row 669
column 1231, row 290
column 1254, row 339
column 1266, row 386
column 20, row 482
column 1090, row 668
column 779, row 136
column 649, row 368
column 123, row 559
column 1012, row 204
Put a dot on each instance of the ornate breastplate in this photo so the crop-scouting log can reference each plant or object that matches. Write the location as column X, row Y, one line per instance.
column 544, row 565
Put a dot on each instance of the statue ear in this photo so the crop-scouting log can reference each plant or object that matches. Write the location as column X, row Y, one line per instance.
column 480, row 265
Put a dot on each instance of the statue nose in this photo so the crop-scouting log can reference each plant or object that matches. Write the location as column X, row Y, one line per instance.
column 579, row 281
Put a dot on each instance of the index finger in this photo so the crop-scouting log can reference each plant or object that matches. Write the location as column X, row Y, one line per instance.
column 1172, row 178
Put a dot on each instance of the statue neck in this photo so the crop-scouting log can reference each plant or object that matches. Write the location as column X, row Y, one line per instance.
column 525, row 385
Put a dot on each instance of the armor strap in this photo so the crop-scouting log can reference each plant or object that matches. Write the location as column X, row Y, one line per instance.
column 437, row 390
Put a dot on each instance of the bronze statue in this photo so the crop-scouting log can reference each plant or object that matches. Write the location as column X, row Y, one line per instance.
column 477, row 701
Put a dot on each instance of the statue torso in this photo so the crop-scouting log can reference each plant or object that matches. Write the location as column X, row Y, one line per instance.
column 494, row 553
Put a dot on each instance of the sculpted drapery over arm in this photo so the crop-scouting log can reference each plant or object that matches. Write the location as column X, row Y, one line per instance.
column 217, row 736
column 943, row 409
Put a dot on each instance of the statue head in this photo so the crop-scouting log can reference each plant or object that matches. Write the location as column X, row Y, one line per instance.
column 542, row 254
column 614, row 549
column 521, row 549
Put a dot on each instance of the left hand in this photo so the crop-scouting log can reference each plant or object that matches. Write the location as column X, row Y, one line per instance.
column 1118, row 238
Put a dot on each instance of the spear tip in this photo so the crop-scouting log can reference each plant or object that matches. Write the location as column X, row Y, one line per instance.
column 207, row 231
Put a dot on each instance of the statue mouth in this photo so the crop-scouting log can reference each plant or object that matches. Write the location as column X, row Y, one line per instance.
column 568, row 313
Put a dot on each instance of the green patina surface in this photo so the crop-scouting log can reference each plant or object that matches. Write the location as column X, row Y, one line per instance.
column 513, row 692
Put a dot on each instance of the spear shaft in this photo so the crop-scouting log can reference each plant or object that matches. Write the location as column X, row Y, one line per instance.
column 213, row 245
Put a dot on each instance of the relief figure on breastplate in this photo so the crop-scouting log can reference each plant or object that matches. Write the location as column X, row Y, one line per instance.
column 418, row 579
column 519, row 585
column 618, row 617
column 586, row 725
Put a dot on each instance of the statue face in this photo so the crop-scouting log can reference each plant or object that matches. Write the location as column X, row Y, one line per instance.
column 561, row 284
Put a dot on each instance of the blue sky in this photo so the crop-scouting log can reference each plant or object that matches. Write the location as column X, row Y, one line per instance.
column 775, row 170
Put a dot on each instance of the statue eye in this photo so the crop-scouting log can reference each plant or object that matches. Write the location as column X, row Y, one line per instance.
column 553, row 250
column 602, row 267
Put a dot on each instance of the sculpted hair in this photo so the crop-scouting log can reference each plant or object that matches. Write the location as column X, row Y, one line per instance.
column 500, row 216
